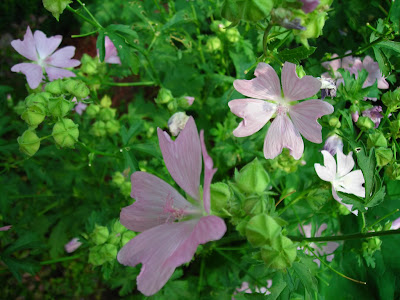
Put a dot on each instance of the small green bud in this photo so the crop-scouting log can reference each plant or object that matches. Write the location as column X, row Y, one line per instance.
column 393, row 171
column 118, row 227
column 334, row 122
column 107, row 114
column 220, row 195
column 108, row 252
column 76, row 88
column 376, row 139
column 59, row 107
column 92, row 110
column 383, row 156
column 125, row 188
column 354, row 108
column 94, row 256
column 98, row 129
column 256, row 205
column 213, row 44
column 112, row 127
column 29, row 142
column 114, row 238
column 300, row 71
column 164, row 96
column 172, row 106
column 261, row 230
column 55, row 87
column 127, row 236
column 281, row 254
column 217, row 26
column 105, row 101
column 232, row 35
column 65, row 133
column 99, row 235
column 89, row 65
column 252, row 178
column 118, row 179
column 33, row 116
column 365, row 123
column 39, row 99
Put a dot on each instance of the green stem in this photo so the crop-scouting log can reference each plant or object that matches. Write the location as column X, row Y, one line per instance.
column 81, row 16
column 265, row 36
column 384, row 217
column 84, row 34
column 332, row 269
column 292, row 202
column 90, row 14
column 359, row 135
column 139, row 83
column 200, row 283
column 345, row 237
column 385, row 118
column 95, row 151
column 61, row 259
column 363, row 222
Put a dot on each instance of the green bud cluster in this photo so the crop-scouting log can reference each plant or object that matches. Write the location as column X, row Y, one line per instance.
column 252, row 178
column 120, row 181
column 106, row 123
column 285, row 162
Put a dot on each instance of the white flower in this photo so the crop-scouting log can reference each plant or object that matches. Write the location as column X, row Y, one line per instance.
column 342, row 178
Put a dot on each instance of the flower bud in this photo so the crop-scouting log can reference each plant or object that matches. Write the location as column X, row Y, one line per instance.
column 365, row 123
column 76, row 88
column 105, row 101
column 65, row 133
column 92, row 110
column 334, row 122
column 213, row 44
column 89, row 65
column 118, row 179
column 55, row 87
column 33, row 116
column 94, row 256
column 112, row 127
column 232, row 35
column 118, row 227
column 125, row 188
column 164, row 96
column 393, row 171
column 72, row 245
column 261, row 230
column 281, row 254
column 252, row 178
column 383, row 156
column 355, row 115
column 98, row 129
column 376, row 139
column 59, row 107
column 107, row 114
column 29, row 142
column 99, row 235
column 256, row 205
column 127, row 236
column 220, row 195
column 333, row 144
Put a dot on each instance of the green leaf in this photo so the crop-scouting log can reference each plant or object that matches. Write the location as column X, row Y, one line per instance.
column 304, row 274
column 248, row 10
column 383, row 61
column 130, row 160
column 395, row 46
column 56, row 7
column 179, row 18
column 296, row 55
column 100, row 45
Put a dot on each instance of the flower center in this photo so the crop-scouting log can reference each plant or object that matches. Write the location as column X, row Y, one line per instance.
column 171, row 211
column 281, row 109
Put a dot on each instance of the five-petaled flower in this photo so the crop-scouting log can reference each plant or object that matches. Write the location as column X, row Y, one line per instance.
column 284, row 132
column 171, row 227
column 40, row 50
column 342, row 178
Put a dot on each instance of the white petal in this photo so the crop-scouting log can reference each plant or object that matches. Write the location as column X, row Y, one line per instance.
column 344, row 163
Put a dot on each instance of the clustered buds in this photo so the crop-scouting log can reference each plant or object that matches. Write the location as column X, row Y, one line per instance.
column 106, row 123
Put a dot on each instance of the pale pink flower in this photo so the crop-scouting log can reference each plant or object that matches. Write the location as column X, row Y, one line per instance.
column 189, row 99
column 342, row 178
column 80, row 107
column 40, row 50
column 395, row 224
column 329, row 248
column 333, row 144
column 5, row 228
column 309, row 5
column 171, row 227
column 374, row 114
column 284, row 132
column 355, row 115
column 245, row 288
column 72, row 245
column 111, row 55
column 374, row 73
column 333, row 66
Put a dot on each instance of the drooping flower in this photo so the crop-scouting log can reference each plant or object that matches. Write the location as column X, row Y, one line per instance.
column 374, row 114
column 72, row 245
column 341, row 176
column 80, row 106
column 40, row 50
column 177, row 122
column 111, row 53
column 355, row 115
column 284, row 132
column 309, row 5
column 327, row 249
column 333, row 144
column 171, row 227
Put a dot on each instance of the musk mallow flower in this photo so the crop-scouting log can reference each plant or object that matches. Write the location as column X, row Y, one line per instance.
column 171, row 227
column 111, row 53
column 245, row 288
column 72, row 245
column 5, row 228
column 341, row 176
column 42, row 52
column 325, row 249
column 267, row 99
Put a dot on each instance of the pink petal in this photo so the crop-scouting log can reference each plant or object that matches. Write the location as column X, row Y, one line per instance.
column 352, row 184
column 5, row 228
column 189, row 99
column 330, row 248
column 304, row 116
column 327, row 172
column 255, row 114
column 208, row 173
column 333, row 65
column 265, row 86
column 46, row 46
column 72, row 245
column 395, row 224
column 295, row 88
column 344, row 163
column 33, row 73
column 27, row 47
column 111, row 55
column 163, row 248
column 321, row 229
column 156, row 203
column 56, row 73
column 282, row 134
column 307, row 230
column 183, row 157
column 62, row 58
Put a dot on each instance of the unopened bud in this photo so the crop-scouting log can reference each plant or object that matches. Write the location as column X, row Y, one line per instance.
column 76, row 88
column 59, row 107
column 252, row 178
column 92, row 110
column 29, row 142
column 65, row 133
column 164, row 96
column 55, row 87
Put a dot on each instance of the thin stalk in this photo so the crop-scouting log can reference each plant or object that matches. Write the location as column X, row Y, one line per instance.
column 95, row 151
column 84, row 34
column 138, row 83
column 332, row 269
column 265, row 37
column 292, row 203
column 81, row 16
column 200, row 283
column 90, row 14
column 346, row 237
column 280, row 200
column 61, row 259
column 384, row 217
column 359, row 135
column 363, row 222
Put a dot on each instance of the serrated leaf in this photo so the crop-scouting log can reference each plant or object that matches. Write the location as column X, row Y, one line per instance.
column 133, row 130
column 395, row 46
column 56, row 7
column 100, row 45
column 130, row 161
column 179, row 18
column 296, row 55
column 384, row 63
column 304, row 274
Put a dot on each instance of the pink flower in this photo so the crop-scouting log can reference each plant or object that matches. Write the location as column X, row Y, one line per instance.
column 246, row 289
column 333, row 66
column 374, row 73
column 309, row 5
column 284, row 132
column 111, row 55
column 80, row 107
column 374, row 114
column 329, row 248
column 40, row 49
column 333, row 144
column 189, row 99
column 342, row 178
column 5, row 228
column 171, row 227
column 72, row 245
column 355, row 116
column 395, row 224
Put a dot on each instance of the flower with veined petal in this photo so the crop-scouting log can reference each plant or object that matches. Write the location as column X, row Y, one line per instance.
column 40, row 49
column 171, row 227
column 342, row 178
column 284, row 132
